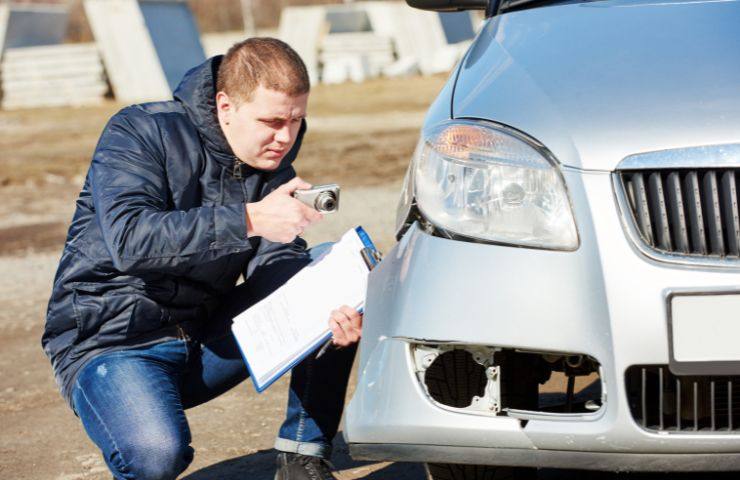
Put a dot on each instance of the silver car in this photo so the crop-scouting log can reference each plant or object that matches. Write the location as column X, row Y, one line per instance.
column 565, row 290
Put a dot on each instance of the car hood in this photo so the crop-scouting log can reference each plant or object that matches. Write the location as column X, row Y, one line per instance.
column 596, row 82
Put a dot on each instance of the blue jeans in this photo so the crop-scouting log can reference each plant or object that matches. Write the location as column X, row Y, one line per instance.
column 132, row 402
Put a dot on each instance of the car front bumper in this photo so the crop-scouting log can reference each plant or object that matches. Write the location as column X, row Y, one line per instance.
column 605, row 300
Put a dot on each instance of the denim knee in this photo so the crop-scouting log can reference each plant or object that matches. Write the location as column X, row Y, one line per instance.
column 162, row 458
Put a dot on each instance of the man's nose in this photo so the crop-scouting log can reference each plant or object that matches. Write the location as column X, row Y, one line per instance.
column 283, row 135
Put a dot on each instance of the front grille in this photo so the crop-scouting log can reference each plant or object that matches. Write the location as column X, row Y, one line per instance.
column 663, row 402
column 691, row 212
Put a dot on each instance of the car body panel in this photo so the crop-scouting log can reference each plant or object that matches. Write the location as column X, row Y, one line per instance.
column 417, row 294
column 598, row 81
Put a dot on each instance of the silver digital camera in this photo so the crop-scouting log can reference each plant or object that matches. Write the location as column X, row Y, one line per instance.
column 323, row 198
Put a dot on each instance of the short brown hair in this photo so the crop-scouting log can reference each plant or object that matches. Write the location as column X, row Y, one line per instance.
column 261, row 61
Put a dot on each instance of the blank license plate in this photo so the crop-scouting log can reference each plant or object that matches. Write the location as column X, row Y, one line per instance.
column 705, row 328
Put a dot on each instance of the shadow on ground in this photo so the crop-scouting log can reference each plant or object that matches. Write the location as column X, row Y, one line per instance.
column 261, row 466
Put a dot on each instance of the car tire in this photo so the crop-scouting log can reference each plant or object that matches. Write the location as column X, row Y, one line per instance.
column 448, row 471
column 454, row 379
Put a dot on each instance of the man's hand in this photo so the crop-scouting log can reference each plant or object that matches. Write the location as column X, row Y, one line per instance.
column 279, row 217
column 346, row 326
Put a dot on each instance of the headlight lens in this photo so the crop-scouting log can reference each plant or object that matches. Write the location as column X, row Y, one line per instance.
column 479, row 180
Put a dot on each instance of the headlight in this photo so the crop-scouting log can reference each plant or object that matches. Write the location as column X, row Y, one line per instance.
column 479, row 180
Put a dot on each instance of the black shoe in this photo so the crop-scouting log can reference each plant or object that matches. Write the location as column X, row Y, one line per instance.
column 293, row 466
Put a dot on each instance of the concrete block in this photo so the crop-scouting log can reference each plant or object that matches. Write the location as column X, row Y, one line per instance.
column 377, row 51
column 219, row 43
column 403, row 67
column 343, row 69
column 52, row 76
column 127, row 49
column 303, row 28
column 4, row 14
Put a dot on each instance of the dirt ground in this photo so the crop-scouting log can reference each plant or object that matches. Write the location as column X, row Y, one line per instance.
column 360, row 136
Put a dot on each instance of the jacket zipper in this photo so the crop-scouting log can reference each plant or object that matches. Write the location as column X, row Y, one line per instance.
column 237, row 173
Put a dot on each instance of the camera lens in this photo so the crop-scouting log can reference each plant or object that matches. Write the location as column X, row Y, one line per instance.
column 326, row 202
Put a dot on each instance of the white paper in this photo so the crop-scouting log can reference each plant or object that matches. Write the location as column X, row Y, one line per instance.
column 275, row 332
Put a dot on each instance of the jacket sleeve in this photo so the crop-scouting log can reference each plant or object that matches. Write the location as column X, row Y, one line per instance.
column 131, row 198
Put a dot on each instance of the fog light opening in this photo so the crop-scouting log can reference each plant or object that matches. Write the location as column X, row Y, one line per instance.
column 568, row 383
column 496, row 381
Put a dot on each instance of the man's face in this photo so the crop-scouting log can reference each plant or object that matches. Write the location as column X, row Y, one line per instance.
column 263, row 130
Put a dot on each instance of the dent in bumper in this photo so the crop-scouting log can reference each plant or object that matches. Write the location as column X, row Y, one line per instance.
column 426, row 289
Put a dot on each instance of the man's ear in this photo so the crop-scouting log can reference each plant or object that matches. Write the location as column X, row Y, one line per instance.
column 224, row 104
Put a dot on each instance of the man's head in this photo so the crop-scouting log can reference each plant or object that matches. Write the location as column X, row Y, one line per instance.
column 262, row 93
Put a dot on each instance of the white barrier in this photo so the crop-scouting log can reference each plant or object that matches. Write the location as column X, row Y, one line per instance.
column 220, row 43
column 52, row 76
column 390, row 37
column 4, row 14
column 147, row 46
column 302, row 28
column 373, row 51
column 127, row 49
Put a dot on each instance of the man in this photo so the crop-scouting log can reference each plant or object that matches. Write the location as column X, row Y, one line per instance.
column 182, row 198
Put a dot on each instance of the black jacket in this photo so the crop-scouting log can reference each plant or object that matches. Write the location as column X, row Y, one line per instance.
column 159, row 232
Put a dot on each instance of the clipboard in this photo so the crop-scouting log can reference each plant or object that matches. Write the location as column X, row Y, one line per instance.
column 280, row 331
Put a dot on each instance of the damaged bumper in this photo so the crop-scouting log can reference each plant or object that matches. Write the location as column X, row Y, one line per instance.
column 433, row 295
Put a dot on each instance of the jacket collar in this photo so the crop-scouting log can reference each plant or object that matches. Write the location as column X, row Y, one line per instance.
column 197, row 94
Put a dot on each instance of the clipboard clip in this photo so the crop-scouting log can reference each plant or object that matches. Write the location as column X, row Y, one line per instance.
column 371, row 256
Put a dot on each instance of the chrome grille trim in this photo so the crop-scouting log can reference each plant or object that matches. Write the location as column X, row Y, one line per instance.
column 682, row 216
column 710, row 156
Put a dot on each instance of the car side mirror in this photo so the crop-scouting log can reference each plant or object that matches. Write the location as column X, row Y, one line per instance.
column 449, row 5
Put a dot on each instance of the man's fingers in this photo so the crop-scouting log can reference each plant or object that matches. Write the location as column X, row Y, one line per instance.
column 353, row 315
column 296, row 183
column 336, row 332
column 310, row 214
column 279, row 217
column 348, row 334
column 339, row 336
